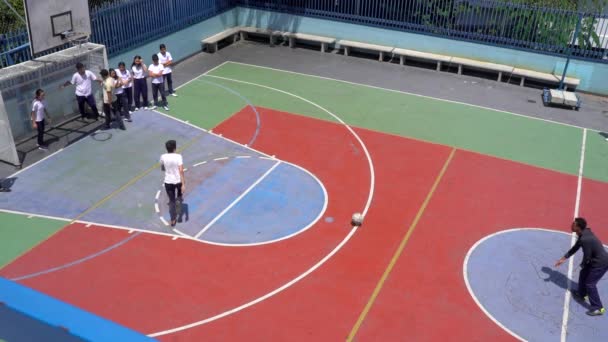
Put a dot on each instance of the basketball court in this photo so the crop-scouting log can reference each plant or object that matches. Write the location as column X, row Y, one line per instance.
column 466, row 209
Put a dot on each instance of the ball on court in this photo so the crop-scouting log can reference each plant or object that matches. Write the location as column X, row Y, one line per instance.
column 357, row 219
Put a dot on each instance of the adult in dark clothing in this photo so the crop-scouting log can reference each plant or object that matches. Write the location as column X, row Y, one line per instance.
column 593, row 266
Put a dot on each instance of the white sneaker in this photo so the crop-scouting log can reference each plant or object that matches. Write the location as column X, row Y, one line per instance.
column 136, row 109
column 166, row 108
column 153, row 107
column 174, row 94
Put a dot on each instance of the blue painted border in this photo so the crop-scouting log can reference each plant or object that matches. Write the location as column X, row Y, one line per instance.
column 56, row 313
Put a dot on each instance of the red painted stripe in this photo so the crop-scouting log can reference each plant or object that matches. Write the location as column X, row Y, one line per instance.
column 425, row 298
column 325, row 305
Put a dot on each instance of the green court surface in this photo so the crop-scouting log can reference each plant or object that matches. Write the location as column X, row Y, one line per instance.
column 19, row 234
column 212, row 98
column 549, row 145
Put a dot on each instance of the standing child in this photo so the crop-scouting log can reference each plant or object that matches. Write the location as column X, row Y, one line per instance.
column 84, row 90
column 120, row 105
column 140, row 71
column 166, row 60
column 38, row 117
column 173, row 165
column 156, row 72
column 127, row 81
column 108, row 97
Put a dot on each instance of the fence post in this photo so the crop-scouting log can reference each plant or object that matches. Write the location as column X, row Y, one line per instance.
column 574, row 38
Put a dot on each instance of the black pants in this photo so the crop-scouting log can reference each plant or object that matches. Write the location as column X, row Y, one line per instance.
column 156, row 87
column 171, row 189
column 121, row 106
column 129, row 95
column 90, row 100
column 107, row 109
column 169, row 81
column 587, row 285
column 141, row 91
column 40, row 128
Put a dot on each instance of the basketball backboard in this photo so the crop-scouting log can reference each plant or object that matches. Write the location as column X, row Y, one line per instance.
column 52, row 23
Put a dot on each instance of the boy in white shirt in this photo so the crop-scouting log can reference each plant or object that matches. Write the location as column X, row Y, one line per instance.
column 155, row 71
column 84, row 92
column 166, row 60
column 173, row 165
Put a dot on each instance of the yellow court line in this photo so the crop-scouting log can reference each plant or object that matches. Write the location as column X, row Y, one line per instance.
column 397, row 254
column 103, row 200
column 133, row 180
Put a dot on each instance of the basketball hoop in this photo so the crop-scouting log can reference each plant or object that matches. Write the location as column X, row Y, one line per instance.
column 75, row 38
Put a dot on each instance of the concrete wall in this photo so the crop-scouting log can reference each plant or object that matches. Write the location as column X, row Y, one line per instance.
column 593, row 75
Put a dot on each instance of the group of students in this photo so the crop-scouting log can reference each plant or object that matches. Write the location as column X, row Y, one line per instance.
column 121, row 88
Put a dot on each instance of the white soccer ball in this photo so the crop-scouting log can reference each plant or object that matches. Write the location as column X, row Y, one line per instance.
column 357, row 219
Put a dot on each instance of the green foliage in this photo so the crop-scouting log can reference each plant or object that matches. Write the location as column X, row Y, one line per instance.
column 8, row 20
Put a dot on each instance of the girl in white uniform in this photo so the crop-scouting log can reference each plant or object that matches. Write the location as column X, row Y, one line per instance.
column 38, row 116
column 140, row 72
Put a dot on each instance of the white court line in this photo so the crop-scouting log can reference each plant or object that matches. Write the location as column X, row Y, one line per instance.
column 568, row 294
column 266, row 296
column 182, row 234
column 201, row 75
column 222, row 158
column 323, row 260
column 40, row 161
column 156, row 208
column 131, row 231
column 241, row 157
column 198, row 164
column 88, row 225
column 413, row 94
column 157, row 195
column 367, row 155
column 164, row 221
column 215, row 219
column 35, row 215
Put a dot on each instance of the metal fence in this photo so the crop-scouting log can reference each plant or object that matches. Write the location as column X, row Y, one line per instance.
column 498, row 23
column 122, row 24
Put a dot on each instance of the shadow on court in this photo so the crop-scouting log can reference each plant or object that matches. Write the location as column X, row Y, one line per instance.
column 561, row 280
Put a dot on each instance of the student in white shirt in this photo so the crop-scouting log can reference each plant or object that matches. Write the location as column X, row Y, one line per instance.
column 173, row 165
column 155, row 71
column 166, row 60
column 140, row 72
column 84, row 93
column 38, row 116
column 127, row 81
column 120, row 105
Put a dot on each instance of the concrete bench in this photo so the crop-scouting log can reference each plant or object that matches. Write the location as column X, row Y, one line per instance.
column 543, row 76
column 473, row 64
column 216, row 38
column 404, row 53
column 272, row 34
column 348, row 44
column 324, row 41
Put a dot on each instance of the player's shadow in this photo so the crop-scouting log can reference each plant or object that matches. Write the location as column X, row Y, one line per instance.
column 183, row 215
column 561, row 280
column 7, row 183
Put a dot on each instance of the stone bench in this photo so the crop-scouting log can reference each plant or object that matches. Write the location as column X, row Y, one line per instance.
column 216, row 38
column 405, row 53
column 543, row 76
column 381, row 49
column 324, row 41
column 474, row 64
column 272, row 34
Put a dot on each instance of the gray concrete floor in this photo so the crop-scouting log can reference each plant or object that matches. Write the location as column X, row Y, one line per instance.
column 479, row 89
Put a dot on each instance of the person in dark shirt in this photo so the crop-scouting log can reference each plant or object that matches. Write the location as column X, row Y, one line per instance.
column 593, row 266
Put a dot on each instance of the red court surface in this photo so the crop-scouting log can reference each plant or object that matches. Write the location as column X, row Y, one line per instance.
column 153, row 284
